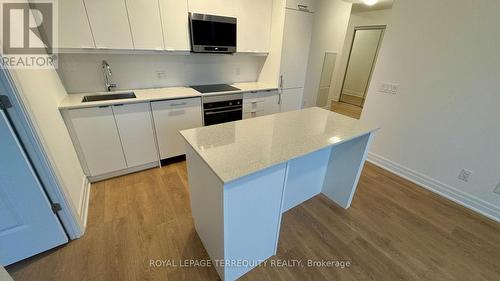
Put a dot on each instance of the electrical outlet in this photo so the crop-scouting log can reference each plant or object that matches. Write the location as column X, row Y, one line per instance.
column 497, row 189
column 464, row 175
column 389, row 88
column 161, row 74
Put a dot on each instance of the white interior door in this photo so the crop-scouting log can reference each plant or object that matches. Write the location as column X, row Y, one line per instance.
column 27, row 224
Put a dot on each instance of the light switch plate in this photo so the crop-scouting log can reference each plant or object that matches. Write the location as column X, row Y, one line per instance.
column 389, row 88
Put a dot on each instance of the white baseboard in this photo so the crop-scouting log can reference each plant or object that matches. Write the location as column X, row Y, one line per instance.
column 467, row 200
column 84, row 200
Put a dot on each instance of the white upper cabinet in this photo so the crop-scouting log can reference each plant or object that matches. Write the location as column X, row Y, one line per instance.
column 73, row 17
column 308, row 5
column 109, row 23
column 213, row 7
column 174, row 17
column 135, row 125
column 145, row 24
column 254, row 25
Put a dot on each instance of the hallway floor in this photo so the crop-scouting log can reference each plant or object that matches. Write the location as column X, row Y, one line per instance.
column 346, row 109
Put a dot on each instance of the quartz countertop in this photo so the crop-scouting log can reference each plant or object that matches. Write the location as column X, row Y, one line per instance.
column 236, row 149
column 144, row 95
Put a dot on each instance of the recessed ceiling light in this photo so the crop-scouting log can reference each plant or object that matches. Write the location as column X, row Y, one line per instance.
column 370, row 2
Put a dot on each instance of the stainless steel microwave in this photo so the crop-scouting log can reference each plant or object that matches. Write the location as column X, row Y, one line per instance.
column 212, row 34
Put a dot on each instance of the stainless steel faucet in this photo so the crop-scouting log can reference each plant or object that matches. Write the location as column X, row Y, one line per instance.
column 108, row 81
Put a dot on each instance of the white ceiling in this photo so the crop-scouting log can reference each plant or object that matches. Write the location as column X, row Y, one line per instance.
column 358, row 6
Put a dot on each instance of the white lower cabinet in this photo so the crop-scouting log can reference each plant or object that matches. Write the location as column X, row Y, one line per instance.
column 291, row 99
column 172, row 116
column 136, row 131
column 260, row 103
column 113, row 138
column 97, row 135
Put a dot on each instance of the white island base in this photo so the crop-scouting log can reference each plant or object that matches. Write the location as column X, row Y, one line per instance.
column 237, row 216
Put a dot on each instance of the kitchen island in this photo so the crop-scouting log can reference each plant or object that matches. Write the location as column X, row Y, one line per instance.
column 243, row 175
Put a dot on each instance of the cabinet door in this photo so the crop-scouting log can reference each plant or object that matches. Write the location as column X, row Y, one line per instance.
column 172, row 116
column 295, row 54
column 72, row 16
column 212, row 7
column 145, row 24
column 291, row 99
column 260, row 103
column 254, row 25
column 97, row 135
column 174, row 16
column 136, row 133
column 109, row 23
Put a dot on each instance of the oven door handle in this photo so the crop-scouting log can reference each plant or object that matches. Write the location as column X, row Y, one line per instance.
column 222, row 111
column 222, row 107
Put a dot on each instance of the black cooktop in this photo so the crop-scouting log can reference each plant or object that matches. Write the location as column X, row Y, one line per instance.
column 214, row 88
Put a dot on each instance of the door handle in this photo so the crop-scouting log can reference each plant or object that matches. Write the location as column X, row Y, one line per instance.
column 222, row 111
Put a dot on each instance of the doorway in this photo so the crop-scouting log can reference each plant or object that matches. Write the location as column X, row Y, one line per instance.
column 326, row 78
column 362, row 57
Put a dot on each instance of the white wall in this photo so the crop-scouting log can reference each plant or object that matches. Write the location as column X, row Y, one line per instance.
column 82, row 72
column 446, row 116
column 377, row 17
column 41, row 92
column 329, row 30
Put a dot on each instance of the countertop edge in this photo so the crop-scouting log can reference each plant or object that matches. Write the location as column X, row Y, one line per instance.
column 65, row 104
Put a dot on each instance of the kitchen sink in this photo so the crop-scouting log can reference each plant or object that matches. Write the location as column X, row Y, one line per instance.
column 101, row 97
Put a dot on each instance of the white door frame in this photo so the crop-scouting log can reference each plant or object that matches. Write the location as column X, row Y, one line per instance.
column 21, row 121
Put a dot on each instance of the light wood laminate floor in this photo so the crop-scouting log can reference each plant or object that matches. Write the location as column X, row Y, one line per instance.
column 394, row 230
column 343, row 108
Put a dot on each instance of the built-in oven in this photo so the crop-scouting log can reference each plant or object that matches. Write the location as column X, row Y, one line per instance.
column 222, row 108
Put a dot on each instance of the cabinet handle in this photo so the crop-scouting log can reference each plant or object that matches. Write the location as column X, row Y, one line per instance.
column 119, row 104
column 279, row 98
column 256, row 101
column 103, row 106
column 281, row 81
column 253, row 92
column 178, row 104
column 303, row 7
